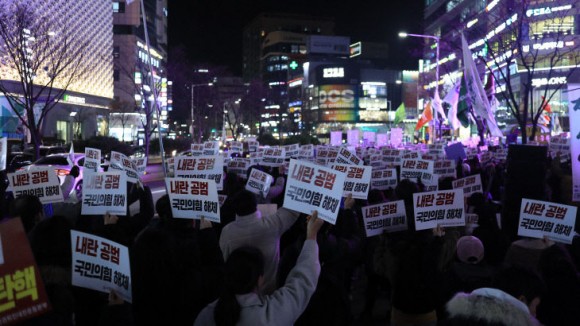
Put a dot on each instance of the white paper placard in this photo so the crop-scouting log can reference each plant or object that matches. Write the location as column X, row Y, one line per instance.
column 121, row 162
column 100, row 264
column 444, row 208
column 273, row 157
column 196, row 149
column 105, row 192
column 253, row 146
column 92, row 160
column 201, row 167
column 211, row 148
column 259, row 182
column 384, row 179
column 542, row 218
column 41, row 182
column 470, row 185
column 357, row 181
column 313, row 187
column 414, row 169
column 336, row 138
column 445, row 168
column 344, row 156
column 141, row 165
column 193, row 198
column 239, row 166
column 385, row 217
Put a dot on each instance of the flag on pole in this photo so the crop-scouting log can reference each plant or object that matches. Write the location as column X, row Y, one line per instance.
column 545, row 115
column 400, row 114
column 426, row 116
column 71, row 154
column 438, row 106
column 462, row 112
column 452, row 98
column 476, row 94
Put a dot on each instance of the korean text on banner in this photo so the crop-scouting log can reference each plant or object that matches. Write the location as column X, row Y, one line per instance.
column 239, row 166
column 3, row 152
column 141, row 165
column 40, row 182
column 211, row 148
column 414, row 169
column 22, row 294
column 193, row 198
column 541, row 218
column 92, row 160
column 444, row 208
column 105, row 192
column 344, row 156
column 100, row 264
column 201, row 167
column 313, row 187
column 470, row 185
column 259, row 182
column 389, row 217
column 273, row 157
column 357, row 181
column 384, row 179
column 574, row 113
column 121, row 162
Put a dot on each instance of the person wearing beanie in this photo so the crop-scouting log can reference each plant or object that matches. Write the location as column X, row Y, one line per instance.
column 251, row 229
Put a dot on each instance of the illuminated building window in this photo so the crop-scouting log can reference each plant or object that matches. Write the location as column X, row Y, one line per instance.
column 118, row 7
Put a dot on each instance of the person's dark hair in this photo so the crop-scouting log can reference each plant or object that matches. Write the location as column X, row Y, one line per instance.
column 163, row 207
column 376, row 196
column 50, row 242
column 244, row 203
column 556, row 262
column 27, row 207
column 74, row 171
column 446, row 183
column 243, row 269
column 517, row 281
column 404, row 191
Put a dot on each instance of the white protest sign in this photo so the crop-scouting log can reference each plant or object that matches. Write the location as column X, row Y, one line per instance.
column 445, row 168
column 100, row 264
column 236, row 147
column 382, row 139
column 193, row 198
column 470, row 185
column 41, row 182
column 444, row 208
column 259, row 182
column 105, row 192
column 313, row 187
column 306, row 151
column 414, row 169
column 255, row 158
column 336, row 138
column 291, row 151
column 141, row 165
column 384, row 179
column 170, row 165
column 92, row 160
column 344, row 156
column 392, row 156
column 542, row 218
column 211, row 148
column 357, row 181
column 253, row 146
column 326, row 155
column 389, row 217
column 3, row 152
column 376, row 160
column 574, row 114
column 396, row 136
column 201, row 167
column 121, row 162
column 197, row 149
column 273, row 157
column 239, row 166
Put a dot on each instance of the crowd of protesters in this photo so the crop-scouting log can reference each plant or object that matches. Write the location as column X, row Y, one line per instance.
column 292, row 269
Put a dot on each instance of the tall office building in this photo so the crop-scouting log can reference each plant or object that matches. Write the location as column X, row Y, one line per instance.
column 82, row 110
column 131, row 64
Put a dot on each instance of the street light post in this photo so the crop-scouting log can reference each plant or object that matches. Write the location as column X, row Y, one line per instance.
column 193, row 86
column 436, row 94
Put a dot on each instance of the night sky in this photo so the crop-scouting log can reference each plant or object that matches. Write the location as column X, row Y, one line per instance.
column 211, row 30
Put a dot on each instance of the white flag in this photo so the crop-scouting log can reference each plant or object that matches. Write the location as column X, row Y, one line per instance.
column 71, row 154
column 452, row 98
column 436, row 104
column 477, row 95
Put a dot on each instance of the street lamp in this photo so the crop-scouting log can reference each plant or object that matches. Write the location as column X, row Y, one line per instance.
column 436, row 95
column 193, row 86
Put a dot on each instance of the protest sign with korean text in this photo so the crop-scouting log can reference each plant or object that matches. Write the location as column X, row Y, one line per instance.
column 100, row 264
column 259, row 182
column 92, row 160
column 201, row 167
column 196, row 149
column 3, row 152
column 313, row 187
column 211, row 148
column 236, row 147
column 255, row 158
column 239, row 166
column 41, row 182
column 414, row 169
column 273, row 157
column 344, row 156
column 22, row 292
column 105, row 192
column 384, row 179
column 357, row 181
column 141, row 165
column 542, row 218
column 193, row 198
column 444, row 208
column 121, row 162
column 470, row 185
column 291, row 151
column 306, row 151
column 222, row 199
column 389, row 217
column 253, row 146
column 392, row 156
column 445, row 168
